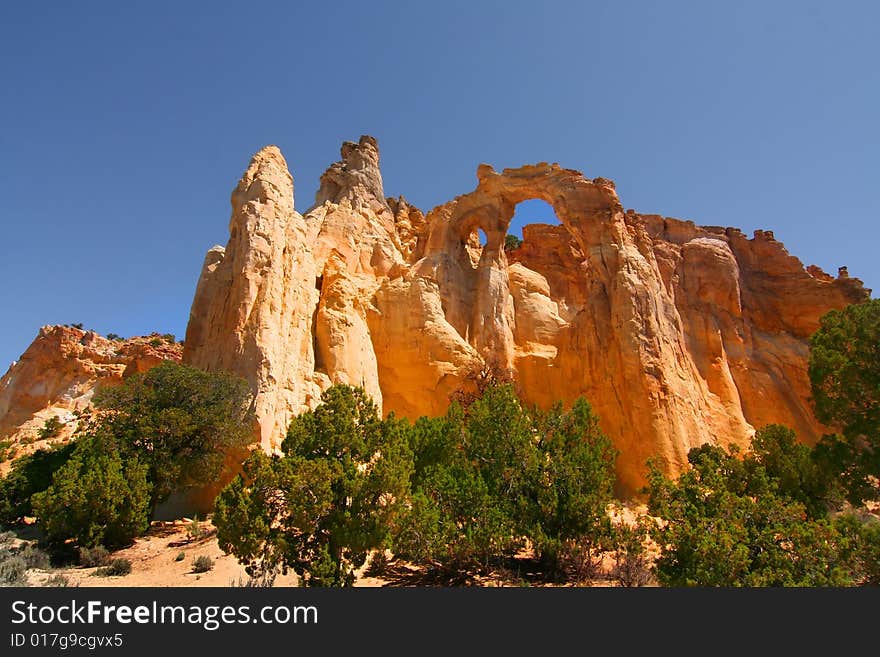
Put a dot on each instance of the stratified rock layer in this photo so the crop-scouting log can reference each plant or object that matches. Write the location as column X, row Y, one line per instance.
column 677, row 334
column 58, row 373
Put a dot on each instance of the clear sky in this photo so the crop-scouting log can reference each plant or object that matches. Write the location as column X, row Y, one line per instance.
column 126, row 125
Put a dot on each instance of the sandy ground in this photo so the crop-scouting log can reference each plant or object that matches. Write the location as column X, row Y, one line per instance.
column 156, row 562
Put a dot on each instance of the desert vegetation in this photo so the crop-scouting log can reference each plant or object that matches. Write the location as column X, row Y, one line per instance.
column 493, row 488
column 170, row 429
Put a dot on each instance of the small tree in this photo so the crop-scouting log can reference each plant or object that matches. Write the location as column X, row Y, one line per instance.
column 454, row 524
column 512, row 242
column 632, row 563
column 96, row 498
column 180, row 421
column 51, row 428
column 493, row 475
column 330, row 499
column 574, row 485
column 792, row 470
column 29, row 474
column 725, row 523
column 844, row 375
column 472, row 470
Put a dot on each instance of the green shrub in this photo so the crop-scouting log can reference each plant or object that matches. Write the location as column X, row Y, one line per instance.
column 171, row 428
column 29, row 474
column 492, row 475
column 96, row 498
column 116, row 568
column 181, row 422
column 861, row 538
column 728, row 522
column 51, row 428
column 512, row 242
column 91, row 557
column 844, row 371
column 328, row 501
column 203, row 564
column 180, row 556
column 196, row 531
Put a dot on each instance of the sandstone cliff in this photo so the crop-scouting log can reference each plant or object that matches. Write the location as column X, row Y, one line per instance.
column 57, row 375
column 677, row 334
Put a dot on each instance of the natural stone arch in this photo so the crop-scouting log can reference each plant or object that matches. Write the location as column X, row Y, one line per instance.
column 580, row 204
column 483, row 315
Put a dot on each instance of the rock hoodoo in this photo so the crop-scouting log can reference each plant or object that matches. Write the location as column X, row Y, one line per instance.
column 677, row 334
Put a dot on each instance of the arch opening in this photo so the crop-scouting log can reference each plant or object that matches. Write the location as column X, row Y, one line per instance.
column 527, row 213
column 474, row 245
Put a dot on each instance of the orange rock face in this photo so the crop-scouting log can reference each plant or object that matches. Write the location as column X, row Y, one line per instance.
column 677, row 334
column 59, row 371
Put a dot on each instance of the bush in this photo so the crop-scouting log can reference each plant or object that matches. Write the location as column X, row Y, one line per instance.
column 566, row 499
column 259, row 580
column 169, row 338
column 13, row 567
column 379, row 563
column 29, row 474
column 512, row 242
column 51, row 428
column 116, row 568
column 195, row 531
column 328, row 501
column 34, row 557
column 182, row 422
column 458, row 519
column 114, row 337
column 57, row 580
column 13, row 570
column 171, row 428
column 727, row 523
column 632, row 563
column 844, row 373
column 494, row 474
column 91, row 557
column 792, row 470
column 203, row 564
column 155, row 342
column 96, row 498
column 180, row 556
column 861, row 536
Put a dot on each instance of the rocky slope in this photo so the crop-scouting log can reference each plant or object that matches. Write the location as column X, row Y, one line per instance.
column 677, row 334
column 57, row 375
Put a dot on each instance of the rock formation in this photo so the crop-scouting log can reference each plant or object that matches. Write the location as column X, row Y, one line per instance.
column 677, row 334
column 58, row 373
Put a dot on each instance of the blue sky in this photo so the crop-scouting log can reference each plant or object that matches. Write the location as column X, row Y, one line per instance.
column 126, row 125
